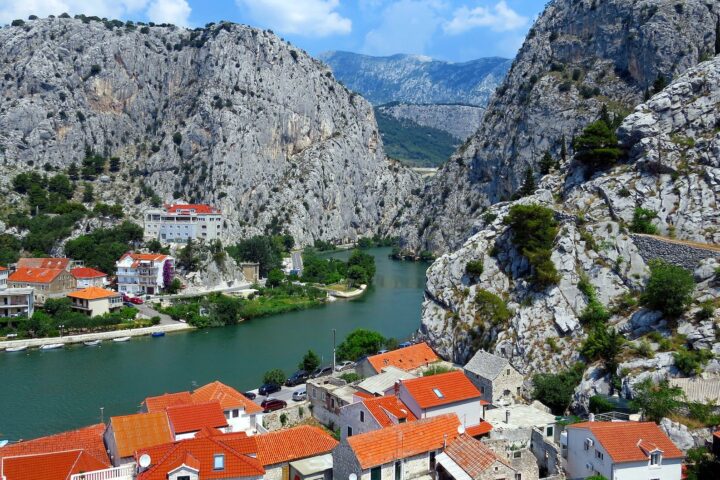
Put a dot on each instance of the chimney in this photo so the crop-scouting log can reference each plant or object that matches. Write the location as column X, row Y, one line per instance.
column 397, row 388
column 507, row 416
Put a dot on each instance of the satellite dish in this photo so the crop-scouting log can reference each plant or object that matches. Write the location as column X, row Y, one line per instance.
column 352, row 476
column 145, row 461
column 461, row 429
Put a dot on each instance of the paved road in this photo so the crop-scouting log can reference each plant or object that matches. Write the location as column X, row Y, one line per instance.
column 150, row 312
column 284, row 394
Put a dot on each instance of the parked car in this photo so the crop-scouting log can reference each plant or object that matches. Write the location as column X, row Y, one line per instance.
column 344, row 365
column 380, row 352
column 249, row 395
column 299, row 395
column 129, row 304
column 322, row 372
column 297, row 378
column 137, row 300
column 405, row 344
column 269, row 388
column 272, row 404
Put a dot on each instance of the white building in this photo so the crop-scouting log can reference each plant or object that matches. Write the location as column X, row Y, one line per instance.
column 88, row 277
column 143, row 273
column 622, row 451
column 16, row 302
column 3, row 277
column 95, row 301
column 180, row 223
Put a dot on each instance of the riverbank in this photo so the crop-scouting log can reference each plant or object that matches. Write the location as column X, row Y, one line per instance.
column 344, row 294
column 86, row 337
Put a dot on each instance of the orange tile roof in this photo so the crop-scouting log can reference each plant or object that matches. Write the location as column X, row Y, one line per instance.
column 408, row 358
column 624, row 441
column 161, row 402
column 228, row 397
column 35, row 275
column 293, row 444
column 198, row 453
column 93, row 293
column 384, row 408
column 452, row 387
column 88, row 438
column 199, row 208
column 54, row 263
column 2, row 269
column 403, row 440
column 141, row 430
column 191, row 418
column 150, row 257
column 473, row 456
column 49, row 466
column 85, row 272
column 480, row 429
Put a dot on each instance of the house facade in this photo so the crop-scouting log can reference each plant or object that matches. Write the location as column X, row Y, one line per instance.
column 371, row 414
column 498, row 381
column 127, row 434
column 3, row 277
column 46, row 282
column 409, row 359
column 187, row 420
column 88, row 277
column 16, row 302
column 95, row 301
column 466, row 458
column 144, row 273
column 327, row 396
column 622, row 451
column 182, row 222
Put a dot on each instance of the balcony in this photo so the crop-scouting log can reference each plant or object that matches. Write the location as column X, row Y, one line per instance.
column 124, row 472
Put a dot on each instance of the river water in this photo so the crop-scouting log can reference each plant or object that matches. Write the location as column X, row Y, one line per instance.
column 47, row 392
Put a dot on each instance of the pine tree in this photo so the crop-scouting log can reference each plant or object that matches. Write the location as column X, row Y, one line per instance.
column 88, row 193
column 114, row 164
column 605, row 116
column 528, row 186
column 563, row 149
column 546, row 163
column 73, row 172
column 717, row 38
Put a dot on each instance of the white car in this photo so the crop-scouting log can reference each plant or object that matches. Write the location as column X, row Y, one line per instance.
column 299, row 395
column 344, row 365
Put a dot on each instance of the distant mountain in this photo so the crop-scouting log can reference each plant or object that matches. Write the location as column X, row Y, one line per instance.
column 418, row 79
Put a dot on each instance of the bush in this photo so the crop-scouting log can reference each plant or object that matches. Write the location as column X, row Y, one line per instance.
column 310, row 362
column 360, row 343
column 350, row 377
column 603, row 343
column 691, row 362
column 534, row 230
column 707, row 310
column 669, row 288
column 642, row 221
column 600, row 404
column 555, row 390
column 436, row 370
column 275, row 376
column 275, row 278
column 474, row 268
column 597, row 147
column 656, row 400
column 492, row 308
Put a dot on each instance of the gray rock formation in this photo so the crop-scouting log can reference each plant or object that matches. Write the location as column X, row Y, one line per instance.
column 418, row 79
column 460, row 121
column 228, row 115
column 579, row 56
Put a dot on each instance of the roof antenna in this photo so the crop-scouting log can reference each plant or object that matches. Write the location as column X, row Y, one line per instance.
column 193, row 386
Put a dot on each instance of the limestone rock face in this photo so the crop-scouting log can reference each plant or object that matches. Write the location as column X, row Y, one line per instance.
column 228, row 115
column 460, row 121
column 579, row 56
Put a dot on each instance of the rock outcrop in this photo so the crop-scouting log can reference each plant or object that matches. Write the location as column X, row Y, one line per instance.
column 227, row 114
column 460, row 121
column 579, row 56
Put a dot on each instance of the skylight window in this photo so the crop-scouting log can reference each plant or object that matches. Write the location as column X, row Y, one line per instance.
column 219, row 462
column 438, row 393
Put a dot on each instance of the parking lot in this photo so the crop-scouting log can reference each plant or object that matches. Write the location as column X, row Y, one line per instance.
column 284, row 394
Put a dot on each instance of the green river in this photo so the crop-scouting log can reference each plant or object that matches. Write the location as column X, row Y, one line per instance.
column 47, row 392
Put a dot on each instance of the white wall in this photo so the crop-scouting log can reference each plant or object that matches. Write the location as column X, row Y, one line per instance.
column 670, row 469
column 469, row 412
column 350, row 416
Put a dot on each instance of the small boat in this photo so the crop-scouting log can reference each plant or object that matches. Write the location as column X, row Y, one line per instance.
column 92, row 343
column 158, row 334
column 16, row 349
column 121, row 339
column 52, row 346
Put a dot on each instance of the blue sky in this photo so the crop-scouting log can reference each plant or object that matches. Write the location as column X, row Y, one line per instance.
column 455, row 30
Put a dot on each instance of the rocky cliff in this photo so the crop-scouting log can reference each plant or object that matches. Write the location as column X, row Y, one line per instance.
column 227, row 114
column 579, row 56
column 544, row 331
column 460, row 121
column 418, row 79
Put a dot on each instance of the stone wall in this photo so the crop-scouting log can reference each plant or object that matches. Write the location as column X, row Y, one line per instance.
column 674, row 252
column 547, row 454
column 294, row 414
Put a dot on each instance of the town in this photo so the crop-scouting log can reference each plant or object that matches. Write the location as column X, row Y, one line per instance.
column 402, row 414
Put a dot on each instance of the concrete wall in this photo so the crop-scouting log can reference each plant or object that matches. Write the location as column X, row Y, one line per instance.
column 668, row 470
column 679, row 254
column 547, row 454
column 350, row 417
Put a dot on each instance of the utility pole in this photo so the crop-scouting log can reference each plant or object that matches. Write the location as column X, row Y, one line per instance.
column 334, row 359
column 102, row 414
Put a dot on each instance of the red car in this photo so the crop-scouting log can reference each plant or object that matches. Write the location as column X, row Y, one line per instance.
column 136, row 300
column 272, row 404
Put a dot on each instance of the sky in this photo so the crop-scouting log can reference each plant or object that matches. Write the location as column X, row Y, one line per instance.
column 453, row 30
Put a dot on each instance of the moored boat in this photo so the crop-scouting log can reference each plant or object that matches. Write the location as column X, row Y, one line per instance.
column 52, row 346
column 16, row 349
column 92, row 343
column 158, row 334
column 121, row 339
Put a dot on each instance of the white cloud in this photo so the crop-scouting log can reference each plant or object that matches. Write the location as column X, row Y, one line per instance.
column 312, row 18
column 407, row 26
column 170, row 11
column 176, row 12
column 500, row 18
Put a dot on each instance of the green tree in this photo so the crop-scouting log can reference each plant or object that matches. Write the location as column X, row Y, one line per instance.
column 604, row 344
column 546, row 163
column 310, row 361
column 260, row 249
column 61, row 185
column 9, row 249
column 101, row 248
column 188, row 259
column 275, row 278
column 642, row 221
column 365, row 261
column 597, row 147
column 174, row 287
column 226, row 310
column 528, row 186
column 74, row 172
column 275, row 376
column 492, row 308
column 656, row 401
column 555, row 390
column 534, row 230
column 669, row 289
column 114, row 164
column 359, row 343
column 474, row 268
column 88, row 193
column 691, row 362
column 356, row 275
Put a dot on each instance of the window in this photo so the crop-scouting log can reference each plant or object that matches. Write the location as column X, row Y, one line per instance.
column 432, row 461
column 517, row 454
column 438, row 393
column 219, row 461
column 655, row 458
column 398, row 471
column 518, row 476
column 362, row 416
column 236, row 413
column 482, row 390
column 184, row 477
column 507, row 372
column 349, row 431
column 599, row 455
column 376, row 474
column 549, row 432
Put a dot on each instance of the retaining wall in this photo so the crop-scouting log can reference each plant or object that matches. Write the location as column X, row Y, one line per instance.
column 672, row 251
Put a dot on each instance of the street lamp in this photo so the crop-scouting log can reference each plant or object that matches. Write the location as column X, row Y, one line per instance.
column 61, row 329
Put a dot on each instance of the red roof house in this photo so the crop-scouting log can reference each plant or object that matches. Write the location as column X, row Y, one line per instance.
column 408, row 359
column 186, row 420
column 49, row 466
